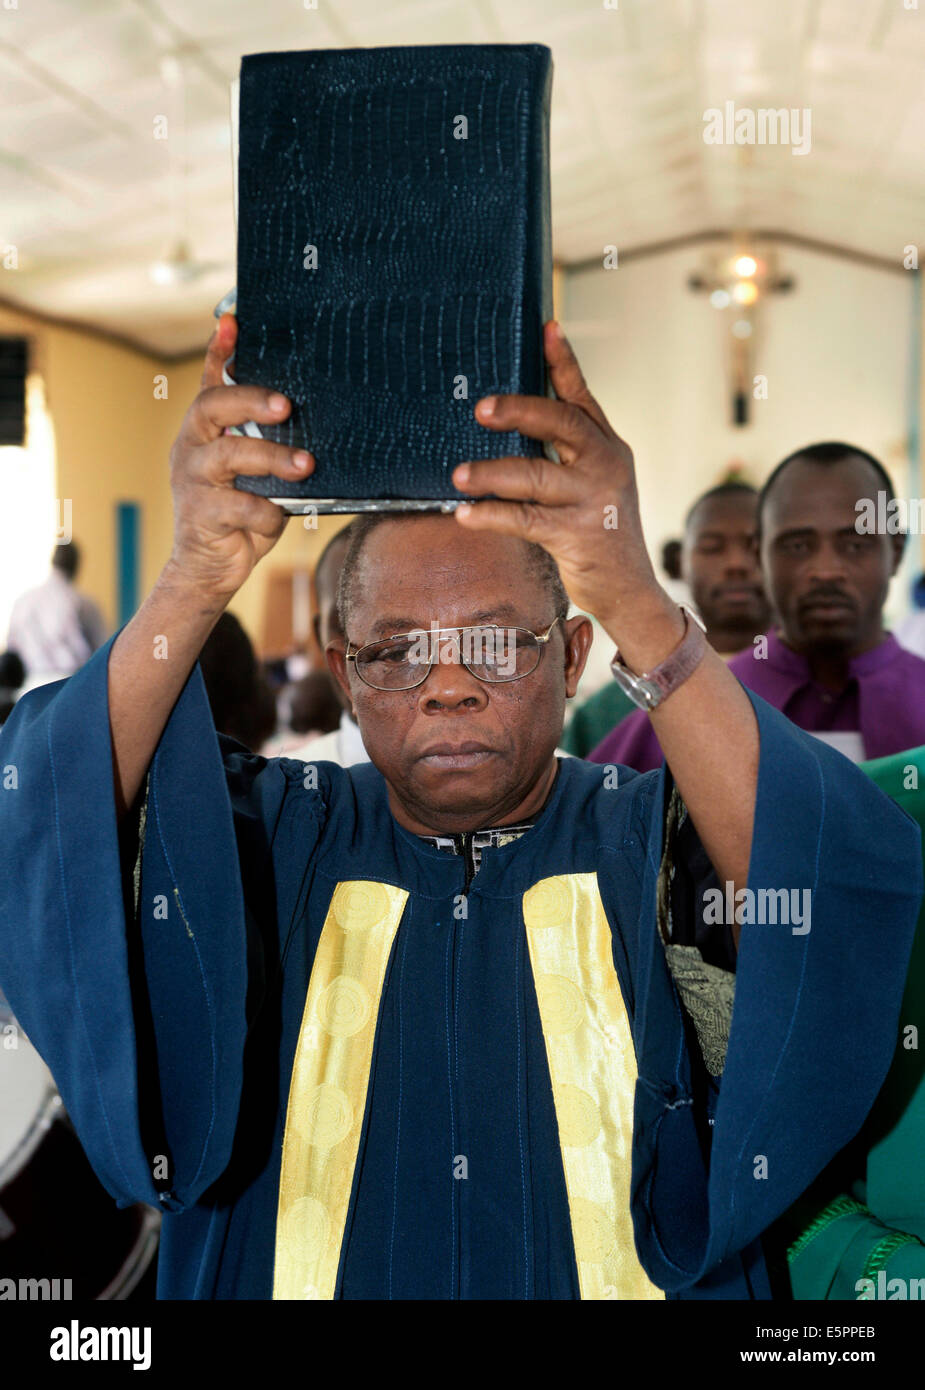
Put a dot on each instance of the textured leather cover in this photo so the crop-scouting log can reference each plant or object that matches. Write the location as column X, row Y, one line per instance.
column 433, row 270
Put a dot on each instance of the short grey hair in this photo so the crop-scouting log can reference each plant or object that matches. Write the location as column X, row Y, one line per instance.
column 539, row 561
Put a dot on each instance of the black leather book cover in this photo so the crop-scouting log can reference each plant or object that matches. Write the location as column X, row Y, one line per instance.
column 394, row 258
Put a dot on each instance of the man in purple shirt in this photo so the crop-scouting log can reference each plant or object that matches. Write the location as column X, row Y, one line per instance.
column 829, row 665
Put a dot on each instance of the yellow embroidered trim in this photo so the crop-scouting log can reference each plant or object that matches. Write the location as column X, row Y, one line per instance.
column 330, row 1078
column 592, row 1066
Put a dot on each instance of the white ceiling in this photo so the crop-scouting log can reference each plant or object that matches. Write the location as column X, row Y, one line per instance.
column 90, row 199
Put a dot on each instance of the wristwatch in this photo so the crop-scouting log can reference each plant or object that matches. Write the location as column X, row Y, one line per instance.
column 650, row 689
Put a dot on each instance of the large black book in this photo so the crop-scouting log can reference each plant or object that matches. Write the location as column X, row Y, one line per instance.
column 394, row 260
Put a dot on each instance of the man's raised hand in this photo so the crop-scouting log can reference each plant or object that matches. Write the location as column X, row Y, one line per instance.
column 220, row 532
column 583, row 510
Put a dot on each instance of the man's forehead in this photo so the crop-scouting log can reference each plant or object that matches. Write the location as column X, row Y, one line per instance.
column 381, row 622
column 436, row 553
column 437, row 534
column 732, row 513
column 386, row 607
column 429, row 573
column 822, row 497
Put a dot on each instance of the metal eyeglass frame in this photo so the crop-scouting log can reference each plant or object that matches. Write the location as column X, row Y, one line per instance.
column 540, row 637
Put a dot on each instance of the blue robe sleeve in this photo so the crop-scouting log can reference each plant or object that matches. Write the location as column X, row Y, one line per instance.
column 141, row 1015
column 814, row 1018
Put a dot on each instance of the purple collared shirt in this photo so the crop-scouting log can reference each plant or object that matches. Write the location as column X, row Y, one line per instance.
column 884, row 700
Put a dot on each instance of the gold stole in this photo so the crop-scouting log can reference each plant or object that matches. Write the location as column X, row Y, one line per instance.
column 330, row 1078
column 591, row 1064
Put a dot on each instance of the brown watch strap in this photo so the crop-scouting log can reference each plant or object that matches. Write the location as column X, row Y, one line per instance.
column 684, row 660
column 677, row 666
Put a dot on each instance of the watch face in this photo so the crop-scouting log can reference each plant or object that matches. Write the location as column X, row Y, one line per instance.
column 644, row 693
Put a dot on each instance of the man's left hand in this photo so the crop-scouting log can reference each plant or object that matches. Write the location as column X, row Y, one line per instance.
column 583, row 510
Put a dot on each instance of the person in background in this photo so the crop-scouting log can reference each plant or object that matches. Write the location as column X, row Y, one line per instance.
column 719, row 560
column 343, row 745
column 910, row 633
column 315, row 705
column 54, row 627
column 828, row 663
column 830, row 666
column 240, row 697
column 674, row 583
column 719, row 564
column 12, row 677
column 600, row 712
column 671, row 558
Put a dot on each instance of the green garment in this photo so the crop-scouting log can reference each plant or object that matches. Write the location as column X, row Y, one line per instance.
column 865, row 1217
column 594, row 719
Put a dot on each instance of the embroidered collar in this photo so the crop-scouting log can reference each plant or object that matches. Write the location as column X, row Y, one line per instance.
column 471, row 843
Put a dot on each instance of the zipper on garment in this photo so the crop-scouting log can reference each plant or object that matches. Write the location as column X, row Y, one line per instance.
column 468, row 854
column 464, row 846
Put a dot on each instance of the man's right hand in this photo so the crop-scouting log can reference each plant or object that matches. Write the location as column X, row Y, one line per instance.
column 220, row 532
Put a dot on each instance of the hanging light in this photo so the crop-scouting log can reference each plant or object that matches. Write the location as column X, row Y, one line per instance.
column 745, row 292
column 740, row 279
column 178, row 267
column 171, row 70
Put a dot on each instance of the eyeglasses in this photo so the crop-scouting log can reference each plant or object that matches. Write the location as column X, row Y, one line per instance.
column 494, row 654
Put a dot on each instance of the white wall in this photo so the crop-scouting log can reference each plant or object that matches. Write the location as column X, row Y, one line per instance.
column 835, row 353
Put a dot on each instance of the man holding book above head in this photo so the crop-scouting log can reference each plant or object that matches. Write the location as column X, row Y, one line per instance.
column 425, row 1027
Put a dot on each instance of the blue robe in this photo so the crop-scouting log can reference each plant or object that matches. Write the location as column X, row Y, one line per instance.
column 174, row 1031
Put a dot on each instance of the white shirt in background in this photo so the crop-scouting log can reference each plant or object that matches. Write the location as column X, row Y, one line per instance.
column 846, row 741
column 54, row 628
column 910, row 633
column 344, row 746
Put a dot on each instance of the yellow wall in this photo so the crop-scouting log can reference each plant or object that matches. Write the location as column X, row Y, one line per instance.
column 109, row 431
column 113, row 443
